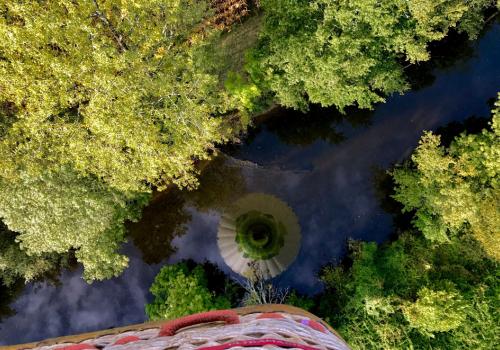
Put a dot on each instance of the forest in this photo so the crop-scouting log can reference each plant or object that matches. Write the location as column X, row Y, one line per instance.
column 107, row 104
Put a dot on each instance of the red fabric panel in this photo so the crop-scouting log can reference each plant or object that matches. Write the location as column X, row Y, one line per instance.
column 317, row 326
column 259, row 342
column 126, row 340
column 77, row 347
column 227, row 316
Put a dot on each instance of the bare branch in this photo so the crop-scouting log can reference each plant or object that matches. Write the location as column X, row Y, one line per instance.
column 259, row 291
column 118, row 38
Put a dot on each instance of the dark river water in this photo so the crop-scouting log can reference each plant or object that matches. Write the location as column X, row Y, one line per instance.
column 324, row 165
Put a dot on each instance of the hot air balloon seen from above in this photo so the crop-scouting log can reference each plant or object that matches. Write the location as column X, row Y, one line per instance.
column 259, row 231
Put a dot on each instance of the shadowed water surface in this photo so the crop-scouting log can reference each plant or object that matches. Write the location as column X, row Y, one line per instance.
column 322, row 165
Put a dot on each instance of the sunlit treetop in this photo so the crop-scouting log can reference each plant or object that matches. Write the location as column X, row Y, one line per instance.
column 351, row 52
column 455, row 189
column 60, row 212
column 107, row 87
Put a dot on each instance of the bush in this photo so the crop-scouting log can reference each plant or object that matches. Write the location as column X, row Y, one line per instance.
column 414, row 294
column 183, row 289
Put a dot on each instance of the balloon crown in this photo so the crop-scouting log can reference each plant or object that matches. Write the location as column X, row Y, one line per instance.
column 259, row 235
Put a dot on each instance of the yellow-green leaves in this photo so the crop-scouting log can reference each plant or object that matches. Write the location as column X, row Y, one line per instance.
column 91, row 91
column 100, row 101
column 435, row 311
column 457, row 188
column 342, row 53
column 57, row 212
column 16, row 265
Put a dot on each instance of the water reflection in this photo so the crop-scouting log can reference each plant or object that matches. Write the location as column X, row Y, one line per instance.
column 296, row 128
column 221, row 183
column 383, row 185
column 258, row 235
column 163, row 220
column 471, row 125
column 319, row 124
column 7, row 296
column 15, row 264
column 168, row 217
column 45, row 310
column 451, row 52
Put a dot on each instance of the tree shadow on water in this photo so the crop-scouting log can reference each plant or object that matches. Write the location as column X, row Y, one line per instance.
column 296, row 128
column 471, row 125
column 383, row 185
column 319, row 123
column 7, row 296
column 454, row 49
column 221, row 184
column 162, row 220
column 168, row 217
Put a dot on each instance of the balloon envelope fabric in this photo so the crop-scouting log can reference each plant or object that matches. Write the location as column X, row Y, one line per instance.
column 259, row 231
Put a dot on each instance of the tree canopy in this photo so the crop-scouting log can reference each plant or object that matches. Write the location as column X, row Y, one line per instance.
column 100, row 101
column 414, row 294
column 183, row 289
column 58, row 212
column 435, row 286
column 457, row 188
column 16, row 265
column 350, row 52
column 108, row 88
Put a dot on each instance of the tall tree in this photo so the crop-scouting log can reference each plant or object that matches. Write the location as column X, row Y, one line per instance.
column 58, row 212
column 414, row 294
column 100, row 100
column 455, row 189
column 350, row 52
column 108, row 88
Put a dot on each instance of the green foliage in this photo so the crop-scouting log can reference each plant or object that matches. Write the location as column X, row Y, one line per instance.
column 245, row 93
column 108, row 88
column 457, row 188
column 57, row 212
column 16, row 265
column 413, row 294
column 99, row 102
column 298, row 300
column 435, row 311
column 417, row 293
column 342, row 53
column 180, row 290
